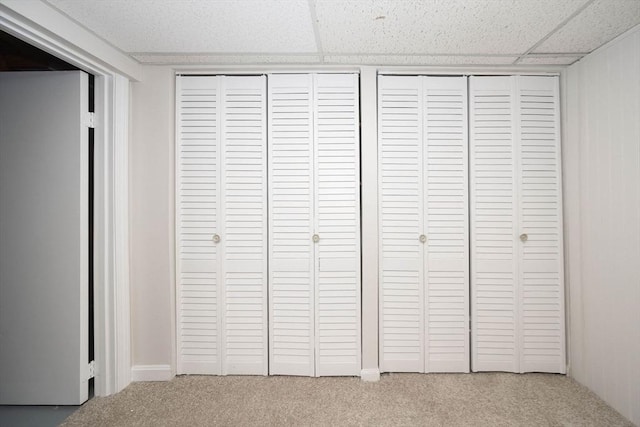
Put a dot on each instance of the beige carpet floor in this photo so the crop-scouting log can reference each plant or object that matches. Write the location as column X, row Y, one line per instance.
column 491, row 399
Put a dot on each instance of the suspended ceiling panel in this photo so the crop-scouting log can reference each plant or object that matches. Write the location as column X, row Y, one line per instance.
column 442, row 27
column 600, row 22
column 411, row 32
column 195, row 26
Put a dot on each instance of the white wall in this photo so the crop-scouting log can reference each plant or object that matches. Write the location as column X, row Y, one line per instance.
column 151, row 227
column 602, row 221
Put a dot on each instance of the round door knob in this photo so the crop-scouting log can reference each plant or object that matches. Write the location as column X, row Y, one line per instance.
column 316, row 238
column 423, row 238
column 216, row 238
column 524, row 237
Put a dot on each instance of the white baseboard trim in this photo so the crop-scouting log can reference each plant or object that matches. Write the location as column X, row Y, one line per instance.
column 151, row 373
column 370, row 375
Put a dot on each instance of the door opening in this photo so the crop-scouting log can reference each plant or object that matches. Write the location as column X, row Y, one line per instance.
column 18, row 56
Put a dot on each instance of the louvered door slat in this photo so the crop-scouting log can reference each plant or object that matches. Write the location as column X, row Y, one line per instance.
column 244, row 189
column 337, row 223
column 446, row 224
column 400, row 145
column 198, row 202
column 540, row 217
column 291, row 265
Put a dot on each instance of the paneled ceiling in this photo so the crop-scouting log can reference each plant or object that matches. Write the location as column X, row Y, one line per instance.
column 425, row 32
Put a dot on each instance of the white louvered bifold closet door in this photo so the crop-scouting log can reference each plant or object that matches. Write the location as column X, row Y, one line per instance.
column 314, row 224
column 517, row 291
column 493, row 224
column 245, row 226
column 401, row 219
column 337, row 223
column 197, row 219
column 446, row 208
column 221, row 225
column 291, row 262
column 424, row 277
column 541, row 269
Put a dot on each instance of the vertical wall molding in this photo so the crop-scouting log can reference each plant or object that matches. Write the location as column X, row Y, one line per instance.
column 121, row 231
column 369, row 195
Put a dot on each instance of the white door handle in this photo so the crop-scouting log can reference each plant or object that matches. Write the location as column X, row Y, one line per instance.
column 315, row 238
column 216, row 238
column 423, row 238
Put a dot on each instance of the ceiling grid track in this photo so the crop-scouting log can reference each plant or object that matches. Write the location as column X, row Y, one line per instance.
column 316, row 30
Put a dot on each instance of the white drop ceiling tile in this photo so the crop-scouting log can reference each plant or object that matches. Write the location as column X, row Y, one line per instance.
column 227, row 59
column 548, row 60
column 438, row 26
column 418, row 60
column 221, row 26
column 599, row 23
